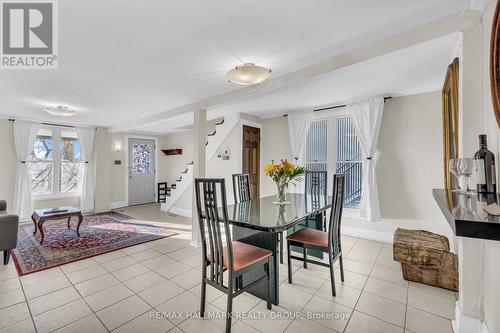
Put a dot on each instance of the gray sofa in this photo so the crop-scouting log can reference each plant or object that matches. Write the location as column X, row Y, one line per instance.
column 8, row 231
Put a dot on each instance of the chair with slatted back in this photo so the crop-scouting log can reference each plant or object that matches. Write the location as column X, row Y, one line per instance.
column 241, row 187
column 328, row 242
column 220, row 254
column 316, row 190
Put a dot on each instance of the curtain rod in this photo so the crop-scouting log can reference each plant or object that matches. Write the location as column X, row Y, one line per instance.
column 50, row 124
column 336, row 107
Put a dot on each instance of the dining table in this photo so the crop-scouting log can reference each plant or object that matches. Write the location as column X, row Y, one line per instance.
column 260, row 221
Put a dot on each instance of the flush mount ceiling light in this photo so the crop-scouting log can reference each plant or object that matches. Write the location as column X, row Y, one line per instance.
column 248, row 74
column 60, row 110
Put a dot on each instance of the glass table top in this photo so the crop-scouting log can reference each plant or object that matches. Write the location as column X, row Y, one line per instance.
column 57, row 211
column 263, row 214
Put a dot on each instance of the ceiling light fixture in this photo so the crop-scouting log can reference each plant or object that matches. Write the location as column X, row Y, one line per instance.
column 248, row 74
column 61, row 110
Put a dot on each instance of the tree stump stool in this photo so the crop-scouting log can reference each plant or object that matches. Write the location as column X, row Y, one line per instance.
column 425, row 257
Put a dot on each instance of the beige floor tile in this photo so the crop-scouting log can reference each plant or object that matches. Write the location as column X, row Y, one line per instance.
column 173, row 270
column 345, row 295
column 355, row 266
column 145, row 255
column 211, row 293
column 362, row 323
column 42, row 276
column 386, row 289
column 161, row 293
column 158, row 262
column 89, row 324
column 293, row 299
column 386, row 252
column 9, row 284
column 188, row 279
column 86, row 274
column 388, row 262
column 119, row 263
column 382, row 308
column 327, row 313
column 130, row 272
column 61, row 316
column 168, row 248
column 431, row 303
column 14, row 314
column 25, row 326
column 368, row 258
column 146, row 323
column 11, row 297
column 212, row 324
column 8, row 272
column 241, row 304
column 241, row 327
column 137, row 248
column 53, row 300
column 389, row 275
column 422, row 322
column 303, row 281
column 301, row 325
column 144, row 281
column 175, row 330
column 122, row 312
column 96, row 284
column 351, row 279
column 45, row 286
column 109, row 256
column 77, row 265
column 275, row 320
column 181, row 253
column 182, row 306
column 193, row 261
column 441, row 292
column 108, row 296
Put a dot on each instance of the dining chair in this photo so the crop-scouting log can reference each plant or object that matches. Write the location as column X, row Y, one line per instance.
column 241, row 187
column 241, row 191
column 327, row 242
column 316, row 183
column 222, row 255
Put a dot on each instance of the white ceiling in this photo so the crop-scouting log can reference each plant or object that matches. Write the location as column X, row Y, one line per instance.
column 123, row 60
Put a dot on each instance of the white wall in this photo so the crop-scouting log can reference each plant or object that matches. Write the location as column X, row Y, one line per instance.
column 9, row 161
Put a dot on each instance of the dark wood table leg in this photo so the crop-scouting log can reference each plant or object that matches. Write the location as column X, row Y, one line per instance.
column 34, row 222
column 69, row 220
column 80, row 219
column 40, row 227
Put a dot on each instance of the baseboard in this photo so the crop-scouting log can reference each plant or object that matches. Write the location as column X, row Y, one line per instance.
column 466, row 324
column 181, row 211
column 370, row 234
column 118, row 204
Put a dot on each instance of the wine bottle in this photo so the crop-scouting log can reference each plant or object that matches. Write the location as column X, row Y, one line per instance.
column 486, row 171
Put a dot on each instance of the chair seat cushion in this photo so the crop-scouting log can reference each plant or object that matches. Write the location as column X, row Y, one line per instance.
column 310, row 237
column 244, row 255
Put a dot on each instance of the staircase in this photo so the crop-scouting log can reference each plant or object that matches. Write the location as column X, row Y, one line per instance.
column 214, row 141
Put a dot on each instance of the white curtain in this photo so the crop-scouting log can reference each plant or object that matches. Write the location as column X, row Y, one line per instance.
column 366, row 115
column 24, row 139
column 86, row 137
column 298, row 125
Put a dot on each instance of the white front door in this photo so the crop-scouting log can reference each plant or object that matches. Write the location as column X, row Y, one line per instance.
column 141, row 174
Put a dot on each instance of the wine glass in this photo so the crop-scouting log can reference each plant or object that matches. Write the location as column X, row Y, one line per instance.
column 467, row 167
column 453, row 167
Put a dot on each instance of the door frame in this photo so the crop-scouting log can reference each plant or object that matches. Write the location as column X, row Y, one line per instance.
column 126, row 144
column 246, row 122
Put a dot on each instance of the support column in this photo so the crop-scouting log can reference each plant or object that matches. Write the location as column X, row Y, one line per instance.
column 199, row 164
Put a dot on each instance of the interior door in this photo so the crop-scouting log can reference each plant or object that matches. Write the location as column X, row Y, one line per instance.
column 251, row 158
column 141, row 173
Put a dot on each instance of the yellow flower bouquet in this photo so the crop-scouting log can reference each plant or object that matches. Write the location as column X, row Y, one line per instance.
column 282, row 174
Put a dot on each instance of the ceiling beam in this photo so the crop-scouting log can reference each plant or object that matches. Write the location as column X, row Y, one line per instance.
column 444, row 26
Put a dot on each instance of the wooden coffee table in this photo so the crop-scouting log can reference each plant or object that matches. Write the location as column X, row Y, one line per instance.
column 39, row 216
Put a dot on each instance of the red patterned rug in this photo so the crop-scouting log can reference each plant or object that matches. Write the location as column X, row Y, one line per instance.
column 99, row 234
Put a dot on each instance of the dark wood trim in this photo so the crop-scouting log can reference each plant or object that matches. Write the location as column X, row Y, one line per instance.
column 495, row 63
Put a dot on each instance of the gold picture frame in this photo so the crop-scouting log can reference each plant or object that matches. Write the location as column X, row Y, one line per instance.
column 450, row 121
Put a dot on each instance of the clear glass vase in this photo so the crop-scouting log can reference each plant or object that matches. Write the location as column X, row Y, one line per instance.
column 281, row 195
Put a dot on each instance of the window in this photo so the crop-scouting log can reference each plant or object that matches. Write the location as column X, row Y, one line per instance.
column 55, row 164
column 339, row 154
column 141, row 159
column 349, row 160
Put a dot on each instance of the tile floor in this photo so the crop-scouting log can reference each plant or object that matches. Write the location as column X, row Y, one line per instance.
column 154, row 287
